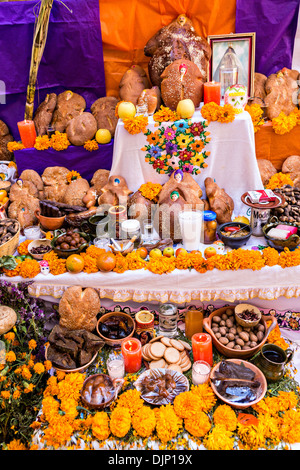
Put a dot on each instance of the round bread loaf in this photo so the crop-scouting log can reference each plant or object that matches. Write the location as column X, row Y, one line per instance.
column 81, row 128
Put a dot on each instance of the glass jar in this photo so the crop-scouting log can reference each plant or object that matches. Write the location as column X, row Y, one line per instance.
column 193, row 322
column 210, row 226
column 168, row 320
column 131, row 228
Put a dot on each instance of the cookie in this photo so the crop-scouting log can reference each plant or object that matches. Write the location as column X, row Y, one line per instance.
column 160, row 364
column 185, row 344
column 145, row 354
column 157, row 350
column 166, row 341
column 157, row 338
column 174, row 367
column 172, row 355
column 187, row 367
column 176, row 344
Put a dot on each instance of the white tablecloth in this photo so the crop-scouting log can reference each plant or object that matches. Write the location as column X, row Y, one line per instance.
column 232, row 160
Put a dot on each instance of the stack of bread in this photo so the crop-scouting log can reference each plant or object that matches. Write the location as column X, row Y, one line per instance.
column 167, row 353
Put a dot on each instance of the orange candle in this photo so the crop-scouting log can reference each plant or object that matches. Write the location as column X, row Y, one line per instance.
column 27, row 133
column 212, row 92
column 132, row 353
column 202, row 348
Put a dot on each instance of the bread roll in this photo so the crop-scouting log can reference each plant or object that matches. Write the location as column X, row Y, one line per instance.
column 78, row 308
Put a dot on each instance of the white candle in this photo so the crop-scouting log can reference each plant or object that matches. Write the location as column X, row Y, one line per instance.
column 200, row 372
column 115, row 368
column 33, row 232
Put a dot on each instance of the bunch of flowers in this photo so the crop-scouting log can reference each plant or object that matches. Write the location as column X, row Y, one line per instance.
column 22, row 382
column 59, row 141
column 42, row 142
column 72, row 176
column 256, row 113
column 214, row 112
column 150, row 190
column 23, row 247
column 13, row 146
column 29, row 268
column 56, row 265
column 136, row 124
column 91, row 145
column 278, row 180
column 177, row 146
column 165, row 114
column 283, row 124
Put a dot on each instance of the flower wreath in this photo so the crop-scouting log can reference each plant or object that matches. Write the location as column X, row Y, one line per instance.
column 178, row 145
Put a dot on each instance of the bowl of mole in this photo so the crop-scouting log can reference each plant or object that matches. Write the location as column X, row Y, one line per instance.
column 238, row 383
column 234, row 234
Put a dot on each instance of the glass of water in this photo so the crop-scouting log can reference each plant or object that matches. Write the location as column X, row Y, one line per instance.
column 148, row 230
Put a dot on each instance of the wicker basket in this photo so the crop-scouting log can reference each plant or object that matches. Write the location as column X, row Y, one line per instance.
column 10, row 247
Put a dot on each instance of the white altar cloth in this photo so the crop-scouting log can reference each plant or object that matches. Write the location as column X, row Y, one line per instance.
column 232, row 161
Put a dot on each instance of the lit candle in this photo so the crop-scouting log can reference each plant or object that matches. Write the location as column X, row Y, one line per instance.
column 27, row 133
column 200, row 372
column 132, row 353
column 202, row 348
column 212, row 92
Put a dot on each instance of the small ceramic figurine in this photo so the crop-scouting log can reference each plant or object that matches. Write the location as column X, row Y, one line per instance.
column 45, row 269
column 178, row 176
column 174, row 195
column 236, row 95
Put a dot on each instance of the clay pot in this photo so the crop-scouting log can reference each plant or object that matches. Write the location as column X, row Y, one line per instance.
column 50, row 223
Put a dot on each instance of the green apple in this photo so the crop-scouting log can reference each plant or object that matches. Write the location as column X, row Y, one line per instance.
column 168, row 251
column 155, row 253
column 126, row 109
column 185, row 108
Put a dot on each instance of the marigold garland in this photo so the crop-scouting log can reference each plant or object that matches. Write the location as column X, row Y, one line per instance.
column 120, row 421
column 136, row 124
column 144, row 422
column 219, row 439
column 100, row 425
column 131, row 400
column 168, row 424
column 225, row 415
column 198, row 425
column 214, row 112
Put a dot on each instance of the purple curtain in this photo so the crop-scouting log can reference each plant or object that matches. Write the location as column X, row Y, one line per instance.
column 73, row 56
column 275, row 25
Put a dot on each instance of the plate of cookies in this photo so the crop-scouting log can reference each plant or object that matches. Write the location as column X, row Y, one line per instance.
column 161, row 386
column 163, row 352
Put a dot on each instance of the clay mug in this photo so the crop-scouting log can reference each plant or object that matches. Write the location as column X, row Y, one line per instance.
column 272, row 360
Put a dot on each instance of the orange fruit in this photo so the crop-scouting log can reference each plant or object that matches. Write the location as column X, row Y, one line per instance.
column 3, row 194
column 5, row 199
column 209, row 252
column 75, row 263
column 106, row 262
column 142, row 252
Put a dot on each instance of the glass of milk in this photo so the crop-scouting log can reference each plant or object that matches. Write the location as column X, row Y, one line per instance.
column 190, row 226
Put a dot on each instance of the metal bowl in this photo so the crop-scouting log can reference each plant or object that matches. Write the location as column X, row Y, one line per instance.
column 234, row 242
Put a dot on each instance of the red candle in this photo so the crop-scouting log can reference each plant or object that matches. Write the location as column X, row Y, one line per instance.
column 212, row 92
column 132, row 353
column 202, row 348
column 27, row 133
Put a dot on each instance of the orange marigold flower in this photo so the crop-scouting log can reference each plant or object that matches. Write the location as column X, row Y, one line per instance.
column 23, row 247
column 91, row 145
column 42, row 142
column 29, row 268
column 13, row 146
column 278, row 180
column 165, row 114
column 60, row 141
column 136, row 124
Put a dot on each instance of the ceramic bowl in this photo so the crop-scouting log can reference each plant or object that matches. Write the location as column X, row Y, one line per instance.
column 246, row 323
column 37, row 243
column 50, row 223
column 113, row 385
column 122, row 243
column 291, row 243
column 78, row 369
column 74, row 251
column 115, row 342
column 259, row 376
column 235, row 353
column 234, row 242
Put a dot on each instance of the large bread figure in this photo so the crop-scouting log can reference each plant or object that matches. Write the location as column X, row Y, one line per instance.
column 281, row 92
column 219, row 201
column 178, row 40
column 133, row 82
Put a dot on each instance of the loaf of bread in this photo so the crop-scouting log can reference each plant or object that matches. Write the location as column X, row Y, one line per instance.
column 76, row 191
column 133, row 82
column 78, row 308
column 44, row 113
column 55, row 183
column 266, row 169
column 178, row 40
column 219, row 201
column 149, row 100
column 281, row 92
column 81, row 129
column 5, row 137
column 103, row 111
column 68, row 106
column 181, row 80
column 291, row 165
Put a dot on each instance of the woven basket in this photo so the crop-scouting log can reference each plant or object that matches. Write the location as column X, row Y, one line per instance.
column 10, row 247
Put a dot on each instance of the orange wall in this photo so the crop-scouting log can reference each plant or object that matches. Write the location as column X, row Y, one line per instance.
column 127, row 25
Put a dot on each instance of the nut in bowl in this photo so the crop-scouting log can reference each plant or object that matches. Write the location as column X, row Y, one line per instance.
column 69, row 243
column 38, row 248
column 114, row 327
column 238, row 383
column 231, row 339
column 234, row 234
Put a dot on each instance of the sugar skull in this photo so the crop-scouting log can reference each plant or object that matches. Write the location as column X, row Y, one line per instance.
column 45, row 269
column 219, row 246
column 236, row 95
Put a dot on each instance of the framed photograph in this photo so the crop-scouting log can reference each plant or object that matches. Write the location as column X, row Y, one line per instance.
column 232, row 60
